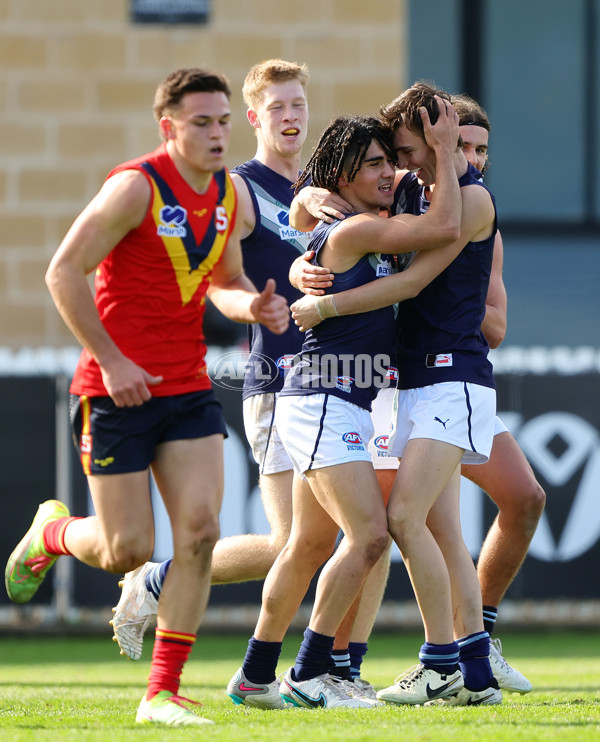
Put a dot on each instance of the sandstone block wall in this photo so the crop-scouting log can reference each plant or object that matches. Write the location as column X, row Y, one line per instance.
column 78, row 79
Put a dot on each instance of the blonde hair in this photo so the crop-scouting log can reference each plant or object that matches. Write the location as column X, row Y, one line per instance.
column 268, row 72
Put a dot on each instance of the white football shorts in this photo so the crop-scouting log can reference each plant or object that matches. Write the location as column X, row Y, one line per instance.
column 455, row 412
column 262, row 434
column 381, row 415
column 321, row 430
column 499, row 427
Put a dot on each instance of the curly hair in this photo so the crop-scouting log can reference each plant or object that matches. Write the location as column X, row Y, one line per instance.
column 341, row 151
column 404, row 110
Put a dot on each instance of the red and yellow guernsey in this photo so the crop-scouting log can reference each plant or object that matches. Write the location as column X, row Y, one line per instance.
column 151, row 288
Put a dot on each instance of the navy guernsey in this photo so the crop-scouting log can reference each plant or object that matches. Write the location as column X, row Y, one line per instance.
column 439, row 331
column 349, row 356
column 268, row 252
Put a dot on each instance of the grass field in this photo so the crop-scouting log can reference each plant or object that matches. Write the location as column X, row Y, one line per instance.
column 80, row 689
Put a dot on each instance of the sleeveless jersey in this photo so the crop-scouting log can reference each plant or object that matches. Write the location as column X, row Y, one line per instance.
column 268, row 252
column 349, row 356
column 151, row 288
column 439, row 331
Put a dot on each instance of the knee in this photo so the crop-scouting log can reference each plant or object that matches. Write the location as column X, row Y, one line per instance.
column 397, row 526
column 204, row 535
column 124, row 556
column 376, row 547
column 527, row 504
column 537, row 500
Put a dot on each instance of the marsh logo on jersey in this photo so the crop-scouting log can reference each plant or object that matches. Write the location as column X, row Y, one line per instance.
column 285, row 231
column 381, row 444
column 344, row 383
column 384, row 266
column 172, row 220
column 353, row 441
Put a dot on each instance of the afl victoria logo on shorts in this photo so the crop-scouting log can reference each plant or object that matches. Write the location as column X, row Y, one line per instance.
column 353, row 441
column 381, row 444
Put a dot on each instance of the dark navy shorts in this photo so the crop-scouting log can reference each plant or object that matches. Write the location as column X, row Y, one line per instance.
column 118, row 440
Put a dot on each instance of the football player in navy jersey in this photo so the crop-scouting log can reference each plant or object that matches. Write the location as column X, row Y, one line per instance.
column 324, row 415
column 507, row 477
column 445, row 409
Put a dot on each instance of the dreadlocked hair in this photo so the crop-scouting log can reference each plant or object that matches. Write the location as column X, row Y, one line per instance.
column 341, row 150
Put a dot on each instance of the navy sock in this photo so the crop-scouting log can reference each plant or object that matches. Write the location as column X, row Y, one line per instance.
column 260, row 662
column 442, row 658
column 156, row 577
column 314, row 657
column 490, row 614
column 357, row 654
column 341, row 659
column 474, row 661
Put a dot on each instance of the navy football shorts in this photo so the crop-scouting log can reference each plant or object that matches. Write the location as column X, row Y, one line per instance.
column 118, row 440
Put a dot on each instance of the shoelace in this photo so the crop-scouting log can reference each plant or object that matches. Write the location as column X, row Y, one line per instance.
column 336, row 686
column 498, row 647
column 38, row 563
column 181, row 700
column 413, row 673
column 352, row 690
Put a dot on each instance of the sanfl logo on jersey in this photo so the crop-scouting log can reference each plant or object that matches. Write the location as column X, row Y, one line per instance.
column 172, row 220
column 221, row 219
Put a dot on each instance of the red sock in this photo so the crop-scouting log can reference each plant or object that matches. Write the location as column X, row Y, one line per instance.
column 171, row 650
column 54, row 534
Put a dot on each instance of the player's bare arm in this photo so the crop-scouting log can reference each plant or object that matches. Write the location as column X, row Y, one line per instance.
column 120, row 206
column 245, row 207
column 235, row 296
column 312, row 205
column 477, row 223
column 494, row 321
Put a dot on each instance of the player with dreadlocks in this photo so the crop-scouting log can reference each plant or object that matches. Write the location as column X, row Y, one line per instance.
column 342, row 149
column 323, row 411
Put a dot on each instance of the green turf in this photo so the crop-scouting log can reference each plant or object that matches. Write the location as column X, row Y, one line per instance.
column 81, row 689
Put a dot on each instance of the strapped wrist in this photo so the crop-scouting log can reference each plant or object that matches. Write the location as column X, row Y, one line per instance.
column 326, row 307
